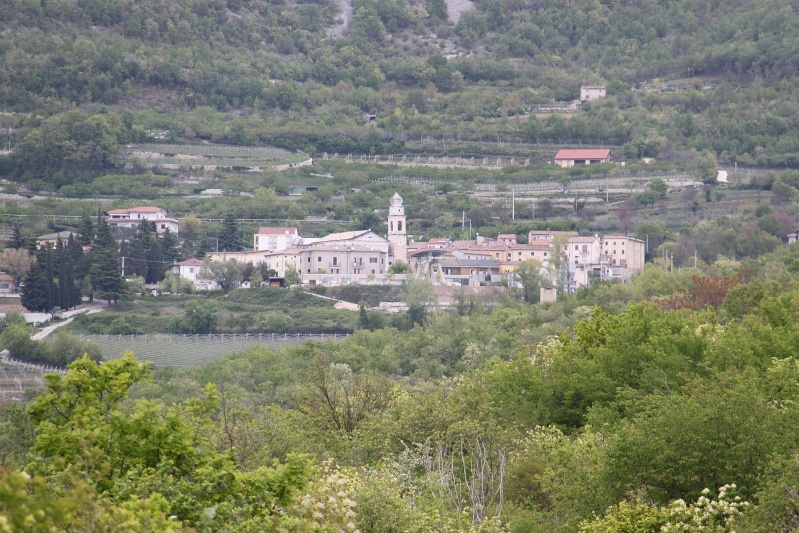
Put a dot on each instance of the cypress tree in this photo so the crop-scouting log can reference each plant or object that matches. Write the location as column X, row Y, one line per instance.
column 144, row 233
column 37, row 294
column 79, row 265
column 155, row 264
column 106, row 270
column 64, row 285
column 203, row 246
column 169, row 247
column 136, row 262
column 18, row 240
column 229, row 236
column 86, row 231
column 50, row 273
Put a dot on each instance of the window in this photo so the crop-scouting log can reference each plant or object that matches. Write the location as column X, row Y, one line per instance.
column 391, row 227
column 191, row 270
column 373, row 260
column 335, row 260
column 545, row 254
column 309, row 258
column 373, row 271
column 319, row 259
column 399, row 226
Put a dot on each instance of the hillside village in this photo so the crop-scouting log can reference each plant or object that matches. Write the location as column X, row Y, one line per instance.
column 399, row 266
column 363, row 257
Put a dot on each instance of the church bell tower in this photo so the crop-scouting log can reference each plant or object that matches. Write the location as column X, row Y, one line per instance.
column 397, row 231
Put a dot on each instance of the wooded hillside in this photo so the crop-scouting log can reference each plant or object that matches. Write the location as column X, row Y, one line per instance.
column 682, row 77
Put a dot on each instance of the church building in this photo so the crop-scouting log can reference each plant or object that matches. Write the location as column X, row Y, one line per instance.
column 397, row 231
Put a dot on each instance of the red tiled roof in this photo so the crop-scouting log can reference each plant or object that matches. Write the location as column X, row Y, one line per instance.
column 599, row 153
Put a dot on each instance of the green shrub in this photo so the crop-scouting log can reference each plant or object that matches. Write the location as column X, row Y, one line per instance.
column 65, row 348
column 17, row 339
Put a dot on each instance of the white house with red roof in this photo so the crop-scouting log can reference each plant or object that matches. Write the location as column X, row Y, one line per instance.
column 593, row 156
column 131, row 217
column 274, row 239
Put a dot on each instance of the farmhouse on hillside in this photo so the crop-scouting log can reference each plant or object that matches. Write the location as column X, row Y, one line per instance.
column 591, row 92
column 131, row 217
column 570, row 158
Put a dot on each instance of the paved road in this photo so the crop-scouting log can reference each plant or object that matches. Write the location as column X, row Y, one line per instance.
column 70, row 315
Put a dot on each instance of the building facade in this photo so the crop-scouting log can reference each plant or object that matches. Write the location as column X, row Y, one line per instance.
column 274, row 239
column 397, row 231
column 131, row 217
column 591, row 92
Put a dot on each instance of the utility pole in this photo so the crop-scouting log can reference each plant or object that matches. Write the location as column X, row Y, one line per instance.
column 513, row 204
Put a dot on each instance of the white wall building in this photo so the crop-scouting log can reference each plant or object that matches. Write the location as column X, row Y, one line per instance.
column 624, row 255
column 591, row 92
column 274, row 239
column 131, row 217
column 193, row 270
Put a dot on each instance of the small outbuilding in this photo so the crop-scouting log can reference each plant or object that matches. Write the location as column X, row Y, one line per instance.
column 570, row 158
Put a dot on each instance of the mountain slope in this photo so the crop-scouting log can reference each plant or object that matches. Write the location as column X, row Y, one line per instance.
column 300, row 74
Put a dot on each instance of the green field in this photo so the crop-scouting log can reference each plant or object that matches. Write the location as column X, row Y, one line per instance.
column 194, row 350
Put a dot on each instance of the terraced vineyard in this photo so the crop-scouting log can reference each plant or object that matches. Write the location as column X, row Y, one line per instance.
column 194, row 350
column 15, row 380
column 201, row 155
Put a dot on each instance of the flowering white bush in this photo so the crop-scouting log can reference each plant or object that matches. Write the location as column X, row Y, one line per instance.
column 712, row 516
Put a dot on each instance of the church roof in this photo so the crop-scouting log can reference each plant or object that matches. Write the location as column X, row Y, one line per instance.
column 343, row 236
